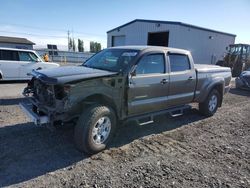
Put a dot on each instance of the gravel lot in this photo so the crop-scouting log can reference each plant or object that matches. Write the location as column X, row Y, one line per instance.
column 187, row 151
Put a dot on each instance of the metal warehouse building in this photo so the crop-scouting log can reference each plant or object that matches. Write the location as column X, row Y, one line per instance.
column 207, row 46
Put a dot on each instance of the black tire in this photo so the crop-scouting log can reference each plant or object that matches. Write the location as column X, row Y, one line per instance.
column 206, row 108
column 220, row 63
column 88, row 121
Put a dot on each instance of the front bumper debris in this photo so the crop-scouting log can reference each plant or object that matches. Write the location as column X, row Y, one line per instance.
column 37, row 119
column 227, row 88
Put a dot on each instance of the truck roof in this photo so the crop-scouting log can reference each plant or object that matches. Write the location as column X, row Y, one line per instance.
column 135, row 47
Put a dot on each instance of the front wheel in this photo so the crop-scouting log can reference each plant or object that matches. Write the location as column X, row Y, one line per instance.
column 210, row 105
column 95, row 129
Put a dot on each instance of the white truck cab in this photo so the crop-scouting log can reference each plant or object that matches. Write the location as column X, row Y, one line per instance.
column 15, row 64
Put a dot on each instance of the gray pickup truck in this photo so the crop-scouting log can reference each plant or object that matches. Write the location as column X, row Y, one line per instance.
column 120, row 84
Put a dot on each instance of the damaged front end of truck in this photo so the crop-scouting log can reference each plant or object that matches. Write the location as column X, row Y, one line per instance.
column 47, row 100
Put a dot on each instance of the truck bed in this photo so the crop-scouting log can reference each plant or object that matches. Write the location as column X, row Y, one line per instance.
column 210, row 68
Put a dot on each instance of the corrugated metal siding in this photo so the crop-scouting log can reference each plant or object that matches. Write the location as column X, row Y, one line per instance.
column 204, row 50
column 137, row 33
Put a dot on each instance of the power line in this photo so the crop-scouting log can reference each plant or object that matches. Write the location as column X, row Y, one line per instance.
column 33, row 34
column 52, row 29
column 40, row 35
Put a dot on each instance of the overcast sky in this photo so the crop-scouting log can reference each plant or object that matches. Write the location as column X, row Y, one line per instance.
column 47, row 21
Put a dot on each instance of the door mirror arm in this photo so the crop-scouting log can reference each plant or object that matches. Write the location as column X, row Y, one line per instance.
column 133, row 73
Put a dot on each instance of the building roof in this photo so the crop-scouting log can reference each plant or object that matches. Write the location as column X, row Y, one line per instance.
column 16, row 49
column 171, row 22
column 15, row 40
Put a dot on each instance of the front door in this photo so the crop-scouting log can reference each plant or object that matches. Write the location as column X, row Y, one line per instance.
column 28, row 62
column 182, row 80
column 148, row 85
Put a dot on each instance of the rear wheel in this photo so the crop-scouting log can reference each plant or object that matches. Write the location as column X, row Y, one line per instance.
column 210, row 105
column 95, row 129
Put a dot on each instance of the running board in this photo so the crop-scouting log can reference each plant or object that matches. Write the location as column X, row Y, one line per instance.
column 148, row 118
column 145, row 120
column 176, row 113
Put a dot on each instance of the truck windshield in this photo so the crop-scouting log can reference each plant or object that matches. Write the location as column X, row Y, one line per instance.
column 115, row 60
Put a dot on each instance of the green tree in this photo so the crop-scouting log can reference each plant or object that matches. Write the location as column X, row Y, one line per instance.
column 95, row 47
column 80, row 45
column 70, row 44
column 74, row 44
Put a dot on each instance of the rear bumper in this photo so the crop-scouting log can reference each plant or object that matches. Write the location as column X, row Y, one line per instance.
column 37, row 119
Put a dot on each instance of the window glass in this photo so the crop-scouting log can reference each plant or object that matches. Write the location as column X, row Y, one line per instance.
column 151, row 64
column 179, row 62
column 34, row 56
column 8, row 55
column 114, row 60
column 27, row 56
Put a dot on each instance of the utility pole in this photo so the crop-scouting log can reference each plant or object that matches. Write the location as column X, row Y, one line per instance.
column 68, row 40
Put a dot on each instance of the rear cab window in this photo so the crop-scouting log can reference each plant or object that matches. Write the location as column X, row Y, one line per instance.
column 179, row 62
column 151, row 64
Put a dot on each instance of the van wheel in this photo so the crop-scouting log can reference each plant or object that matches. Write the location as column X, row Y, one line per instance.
column 95, row 129
column 210, row 105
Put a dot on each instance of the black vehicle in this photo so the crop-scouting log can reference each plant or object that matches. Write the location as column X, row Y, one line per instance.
column 243, row 81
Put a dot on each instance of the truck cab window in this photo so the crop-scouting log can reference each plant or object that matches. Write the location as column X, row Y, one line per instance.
column 179, row 62
column 151, row 64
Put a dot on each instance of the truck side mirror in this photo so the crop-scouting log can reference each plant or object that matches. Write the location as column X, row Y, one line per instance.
column 133, row 73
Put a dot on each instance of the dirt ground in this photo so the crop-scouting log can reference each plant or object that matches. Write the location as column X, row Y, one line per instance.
column 186, row 151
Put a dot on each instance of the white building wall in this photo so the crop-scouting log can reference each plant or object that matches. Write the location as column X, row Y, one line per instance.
column 207, row 47
column 137, row 33
column 204, row 49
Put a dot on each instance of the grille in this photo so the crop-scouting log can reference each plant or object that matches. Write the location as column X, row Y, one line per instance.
column 44, row 93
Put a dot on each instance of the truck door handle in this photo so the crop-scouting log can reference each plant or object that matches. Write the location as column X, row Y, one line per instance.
column 190, row 78
column 164, row 81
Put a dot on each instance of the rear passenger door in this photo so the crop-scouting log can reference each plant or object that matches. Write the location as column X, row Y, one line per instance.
column 182, row 79
column 9, row 64
column 148, row 85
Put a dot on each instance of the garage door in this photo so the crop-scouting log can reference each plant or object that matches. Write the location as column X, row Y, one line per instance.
column 118, row 40
column 158, row 39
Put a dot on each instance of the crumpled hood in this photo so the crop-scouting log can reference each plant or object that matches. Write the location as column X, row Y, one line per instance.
column 67, row 74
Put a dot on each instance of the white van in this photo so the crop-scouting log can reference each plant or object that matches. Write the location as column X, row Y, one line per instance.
column 15, row 64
